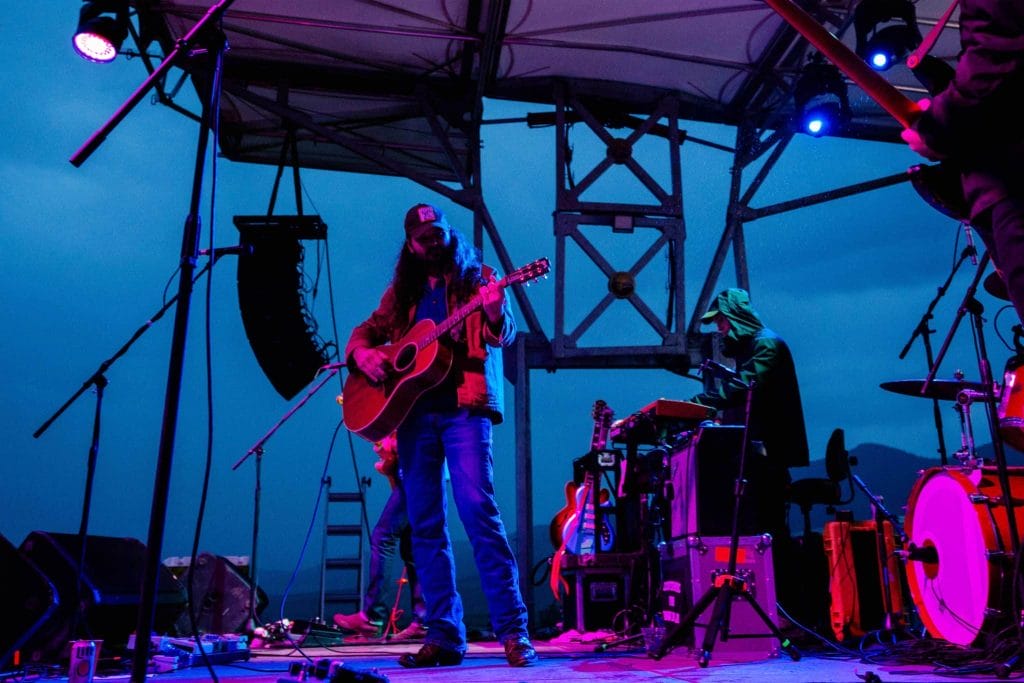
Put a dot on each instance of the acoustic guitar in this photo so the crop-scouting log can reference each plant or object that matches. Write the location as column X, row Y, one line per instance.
column 938, row 184
column 419, row 361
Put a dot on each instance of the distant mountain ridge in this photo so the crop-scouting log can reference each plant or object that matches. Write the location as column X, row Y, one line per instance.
column 887, row 472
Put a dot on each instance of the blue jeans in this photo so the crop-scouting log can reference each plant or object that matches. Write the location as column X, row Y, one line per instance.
column 463, row 438
column 390, row 532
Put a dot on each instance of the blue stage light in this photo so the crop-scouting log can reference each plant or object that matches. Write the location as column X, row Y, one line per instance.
column 886, row 31
column 820, row 99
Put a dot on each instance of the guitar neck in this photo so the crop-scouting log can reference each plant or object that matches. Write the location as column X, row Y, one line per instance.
column 460, row 314
column 899, row 106
column 602, row 423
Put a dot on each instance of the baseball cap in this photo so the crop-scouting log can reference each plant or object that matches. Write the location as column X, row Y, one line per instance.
column 711, row 314
column 731, row 298
column 424, row 214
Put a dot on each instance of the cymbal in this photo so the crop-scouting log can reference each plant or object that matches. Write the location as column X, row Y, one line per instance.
column 942, row 389
column 995, row 286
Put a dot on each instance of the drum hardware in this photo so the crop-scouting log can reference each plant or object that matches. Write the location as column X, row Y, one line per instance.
column 967, row 456
column 998, row 555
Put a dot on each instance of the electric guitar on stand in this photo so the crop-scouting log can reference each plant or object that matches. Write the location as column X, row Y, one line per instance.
column 420, row 362
column 938, row 184
column 575, row 526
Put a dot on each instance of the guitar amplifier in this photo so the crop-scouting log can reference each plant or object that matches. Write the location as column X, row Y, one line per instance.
column 601, row 587
column 858, row 594
column 690, row 567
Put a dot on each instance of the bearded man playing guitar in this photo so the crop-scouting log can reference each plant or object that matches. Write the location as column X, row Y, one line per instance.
column 437, row 271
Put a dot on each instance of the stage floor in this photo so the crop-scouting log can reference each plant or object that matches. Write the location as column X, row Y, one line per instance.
column 561, row 662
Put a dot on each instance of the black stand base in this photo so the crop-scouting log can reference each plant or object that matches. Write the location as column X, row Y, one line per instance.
column 721, row 594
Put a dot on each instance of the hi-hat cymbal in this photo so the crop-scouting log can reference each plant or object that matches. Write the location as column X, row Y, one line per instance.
column 995, row 286
column 942, row 389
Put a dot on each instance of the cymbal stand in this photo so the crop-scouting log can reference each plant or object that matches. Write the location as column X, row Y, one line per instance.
column 971, row 305
column 923, row 329
column 729, row 585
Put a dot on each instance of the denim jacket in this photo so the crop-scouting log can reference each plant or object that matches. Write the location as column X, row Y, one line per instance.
column 477, row 363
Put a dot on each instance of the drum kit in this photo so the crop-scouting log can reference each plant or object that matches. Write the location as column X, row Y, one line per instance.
column 963, row 522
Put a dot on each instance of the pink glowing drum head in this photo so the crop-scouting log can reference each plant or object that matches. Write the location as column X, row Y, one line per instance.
column 958, row 529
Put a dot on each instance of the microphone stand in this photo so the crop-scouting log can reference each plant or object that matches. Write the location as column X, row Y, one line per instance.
column 971, row 305
column 880, row 514
column 209, row 61
column 257, row 450
column 923, row 329
column 99, row 380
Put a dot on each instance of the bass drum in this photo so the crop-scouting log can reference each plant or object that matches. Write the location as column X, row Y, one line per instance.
column 961, row 555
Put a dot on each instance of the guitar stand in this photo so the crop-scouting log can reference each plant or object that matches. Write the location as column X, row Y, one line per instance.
column 727, row 586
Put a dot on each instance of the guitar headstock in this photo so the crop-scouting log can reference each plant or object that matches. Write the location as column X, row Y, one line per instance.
column 602, row 412
column 528, row 273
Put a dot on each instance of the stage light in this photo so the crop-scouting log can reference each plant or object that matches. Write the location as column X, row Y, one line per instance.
column 102, row 28
column 822, row 106
column 886, row 31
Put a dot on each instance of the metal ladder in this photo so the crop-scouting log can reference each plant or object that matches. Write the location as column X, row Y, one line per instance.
column 347, row 569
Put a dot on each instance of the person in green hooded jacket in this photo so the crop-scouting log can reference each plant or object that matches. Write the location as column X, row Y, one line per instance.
column 776, row 413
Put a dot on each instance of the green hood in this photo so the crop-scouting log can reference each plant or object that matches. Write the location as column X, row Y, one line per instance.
column 734, row 304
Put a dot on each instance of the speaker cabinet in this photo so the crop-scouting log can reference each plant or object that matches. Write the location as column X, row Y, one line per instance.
column 272, row 299
column 601, row 587
column 702, row 474
column 110, row 590
column 221, row 596
column 29, row 601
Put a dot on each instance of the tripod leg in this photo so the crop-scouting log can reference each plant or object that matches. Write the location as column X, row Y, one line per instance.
column 686, row 622
column 784, row 642
column 719, row 619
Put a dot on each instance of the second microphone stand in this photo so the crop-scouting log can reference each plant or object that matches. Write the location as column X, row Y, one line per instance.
column 729, row 585
column 924, row 330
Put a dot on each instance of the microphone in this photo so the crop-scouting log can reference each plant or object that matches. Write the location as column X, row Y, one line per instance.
column 716, row 369
column 927, row 554
column 970, row 244
column 226, row 251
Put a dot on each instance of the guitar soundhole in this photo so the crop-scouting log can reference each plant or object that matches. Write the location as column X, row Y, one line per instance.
column 405, row 357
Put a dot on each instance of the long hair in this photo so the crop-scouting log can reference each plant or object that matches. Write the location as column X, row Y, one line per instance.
column 462, row 269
